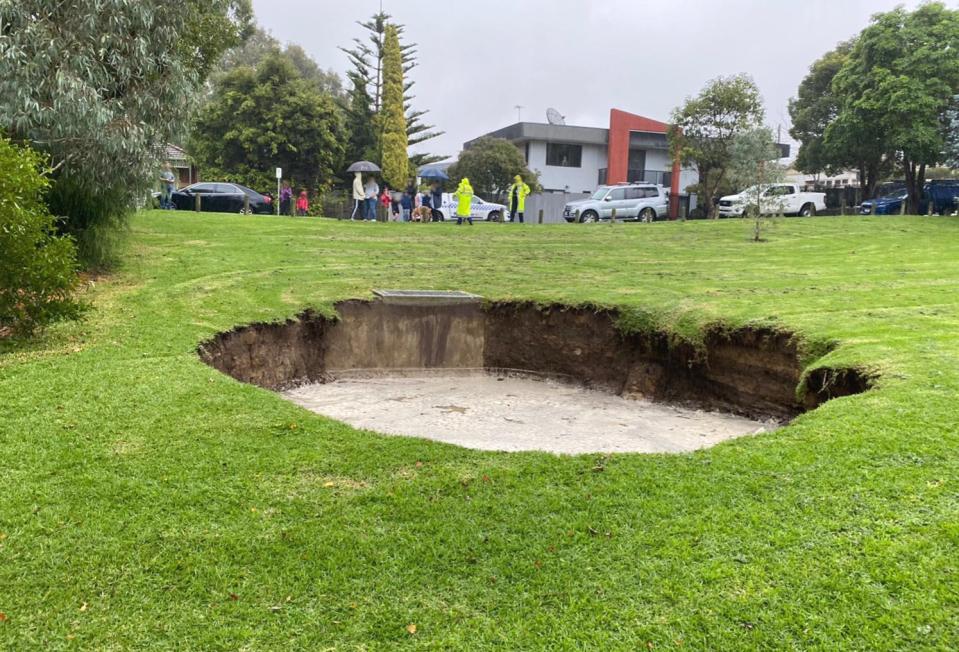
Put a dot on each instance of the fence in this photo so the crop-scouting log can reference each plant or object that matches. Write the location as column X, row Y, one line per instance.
column 338, row 205
column 552, row 205
column 836, row 198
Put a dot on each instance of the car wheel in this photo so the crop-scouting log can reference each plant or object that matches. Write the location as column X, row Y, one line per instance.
column 808, row 210
column 588, row 216
column 494, row 216
column 246, row 211
column 647, row 215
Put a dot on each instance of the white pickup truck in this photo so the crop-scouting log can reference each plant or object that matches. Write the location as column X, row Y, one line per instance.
column 774, row 199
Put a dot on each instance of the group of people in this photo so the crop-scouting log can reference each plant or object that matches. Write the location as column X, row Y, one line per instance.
column 409, row 205
column 286, row 201
column 413, row 205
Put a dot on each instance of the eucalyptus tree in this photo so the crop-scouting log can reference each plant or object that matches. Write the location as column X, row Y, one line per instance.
column 100, row 86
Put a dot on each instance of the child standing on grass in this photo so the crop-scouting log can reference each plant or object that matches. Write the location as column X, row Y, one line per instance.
column 286, row 198
column 302, row 204
column 385, row 201
column 406, row 204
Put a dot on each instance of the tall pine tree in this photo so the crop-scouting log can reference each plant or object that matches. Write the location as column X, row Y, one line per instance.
column 362, row 143
column 392, row 117
column 366, row 58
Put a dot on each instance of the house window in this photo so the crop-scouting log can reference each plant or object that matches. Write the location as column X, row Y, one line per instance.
column 564, row 156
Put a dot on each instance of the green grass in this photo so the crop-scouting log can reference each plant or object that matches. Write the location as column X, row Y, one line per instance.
column 148, row 502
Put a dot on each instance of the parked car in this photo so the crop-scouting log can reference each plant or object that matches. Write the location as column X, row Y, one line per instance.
column 777, row 198
column 941, row 194
column 220, row 198
column 638, row 202
column 888, row 205
column 480, row 209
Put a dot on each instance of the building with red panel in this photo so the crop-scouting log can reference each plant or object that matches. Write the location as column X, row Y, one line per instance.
column 575, row 159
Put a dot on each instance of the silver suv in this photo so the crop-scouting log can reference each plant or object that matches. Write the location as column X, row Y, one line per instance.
column 638, row 202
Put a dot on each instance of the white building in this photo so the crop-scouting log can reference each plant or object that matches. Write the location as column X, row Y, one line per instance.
column 847, row 179
column 571, row 159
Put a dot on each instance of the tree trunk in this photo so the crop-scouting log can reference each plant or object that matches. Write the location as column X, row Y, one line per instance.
column 758, row 224
column 707, row 193
column 920, row 186
column 870, row 171
column 915, row 176
column 719, row 181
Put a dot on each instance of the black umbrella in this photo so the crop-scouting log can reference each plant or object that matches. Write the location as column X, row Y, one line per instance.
column 433, row 172
column 364, row 166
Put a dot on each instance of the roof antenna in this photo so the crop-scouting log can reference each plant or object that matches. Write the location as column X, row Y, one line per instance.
column 519, row 112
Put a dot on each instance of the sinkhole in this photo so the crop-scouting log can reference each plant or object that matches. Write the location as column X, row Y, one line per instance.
column 517, row 376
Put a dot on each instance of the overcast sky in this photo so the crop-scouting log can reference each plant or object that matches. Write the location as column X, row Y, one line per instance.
column 480, row 58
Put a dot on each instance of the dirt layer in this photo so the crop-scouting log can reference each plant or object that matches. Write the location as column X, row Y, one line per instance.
column 749, row 371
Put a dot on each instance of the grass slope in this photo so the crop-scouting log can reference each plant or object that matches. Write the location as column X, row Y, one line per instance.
column 149, row 502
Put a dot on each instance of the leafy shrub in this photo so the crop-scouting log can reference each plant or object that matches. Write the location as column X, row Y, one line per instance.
column 95, row 217
column 38, row 268
column 100, row 87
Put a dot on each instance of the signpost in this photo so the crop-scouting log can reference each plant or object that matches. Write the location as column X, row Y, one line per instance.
column 276, row 200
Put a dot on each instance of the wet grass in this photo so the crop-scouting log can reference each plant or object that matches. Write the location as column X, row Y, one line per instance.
column 149, row 502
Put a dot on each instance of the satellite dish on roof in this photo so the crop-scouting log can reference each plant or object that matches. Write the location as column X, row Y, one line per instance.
column 554, row 117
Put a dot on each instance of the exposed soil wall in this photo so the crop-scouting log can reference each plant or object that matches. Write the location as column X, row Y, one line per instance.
column 754, row 372
column 377, row 335
column 274, row 355
column 749, row 371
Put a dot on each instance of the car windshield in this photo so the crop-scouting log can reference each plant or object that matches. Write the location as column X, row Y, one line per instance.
column 600, row 193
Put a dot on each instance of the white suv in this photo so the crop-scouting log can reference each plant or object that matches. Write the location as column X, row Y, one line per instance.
column 640, row 202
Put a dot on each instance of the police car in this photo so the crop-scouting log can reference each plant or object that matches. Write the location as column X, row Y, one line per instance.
column 479, row 210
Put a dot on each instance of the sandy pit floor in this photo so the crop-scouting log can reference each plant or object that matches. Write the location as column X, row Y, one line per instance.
column 491, row 412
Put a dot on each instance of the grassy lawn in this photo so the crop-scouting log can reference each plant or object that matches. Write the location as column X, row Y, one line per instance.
column 148, row 502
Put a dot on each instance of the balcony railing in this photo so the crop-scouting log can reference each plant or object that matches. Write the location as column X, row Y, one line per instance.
column 649, row 176
column 640, row 176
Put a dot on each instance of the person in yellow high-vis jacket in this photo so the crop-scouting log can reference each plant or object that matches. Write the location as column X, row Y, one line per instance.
column 516, row 196
column 464, row 201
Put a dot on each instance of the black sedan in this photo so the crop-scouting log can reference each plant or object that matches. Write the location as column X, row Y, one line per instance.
column 221, row 198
